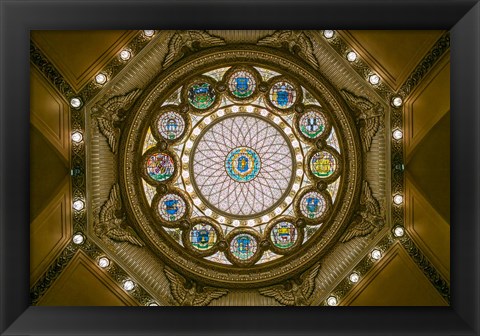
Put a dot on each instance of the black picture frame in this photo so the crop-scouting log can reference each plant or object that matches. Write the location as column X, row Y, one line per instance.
column 18, row 17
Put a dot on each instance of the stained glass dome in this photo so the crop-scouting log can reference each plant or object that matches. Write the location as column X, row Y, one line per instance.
column 240, row 166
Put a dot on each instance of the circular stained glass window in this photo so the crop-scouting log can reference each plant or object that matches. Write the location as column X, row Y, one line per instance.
column 171, row 207
column 203, row 236
column 282, row 94
column 201, row 95
column 242, row 165
column 312, row 124
column 323, row 164
column 313, row 205
column 284, row 235
column 159, row 166
column 242, row 84
column 171, row 125
column 243, row 246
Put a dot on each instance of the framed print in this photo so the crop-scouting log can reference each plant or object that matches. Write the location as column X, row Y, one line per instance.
column 245, row 158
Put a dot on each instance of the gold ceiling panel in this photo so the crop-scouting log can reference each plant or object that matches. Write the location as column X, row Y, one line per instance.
column 50, row 231
column 429, row 230
column 79, row 55
column 50, row 113
column 427, row 104
column 393, row 53
column 396, row 279
column 82, row 283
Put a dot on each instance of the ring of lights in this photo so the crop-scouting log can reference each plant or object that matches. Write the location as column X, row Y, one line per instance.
column 251, row 237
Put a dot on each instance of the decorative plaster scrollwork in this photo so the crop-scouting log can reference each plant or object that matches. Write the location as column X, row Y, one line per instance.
column 296, row 292
column 367, row 116
column 112, row 222
column 184, row 41
column 296, row 41
column 111, row 114
column 187, row 293
column 367, row 219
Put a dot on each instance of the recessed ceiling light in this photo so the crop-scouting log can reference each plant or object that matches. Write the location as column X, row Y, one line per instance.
column 153, row 304
column 101, row 78
column 376, row 254
column 78, row 205
column 354, row 277
column 352, row 56
column 397, row 101
column 77, row 137
column 125, row 54
column 128, row 285
column 328, row 33
column 332, row 301
column 103, row 262
column 398, row 231
column 149, row 33
column 398, row 199
column 397, row 134
column 75, row 102
column 374, row 79
column 78, row 239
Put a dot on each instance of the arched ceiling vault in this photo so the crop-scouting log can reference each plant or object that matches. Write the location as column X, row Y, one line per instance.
column 98, row 224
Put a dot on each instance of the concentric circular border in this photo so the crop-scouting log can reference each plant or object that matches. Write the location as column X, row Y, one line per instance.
column 262, row 274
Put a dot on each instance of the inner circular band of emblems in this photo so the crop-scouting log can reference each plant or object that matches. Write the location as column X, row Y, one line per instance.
column 201, row 95
column 241, row 207
column 323, row 164
column 159, row 166
column 284, row 235
column 312, row 124
column 171, row 207
column 242, row 84
column 170, row 125
column 283, row 94
column 164, row 86
column 202, row 237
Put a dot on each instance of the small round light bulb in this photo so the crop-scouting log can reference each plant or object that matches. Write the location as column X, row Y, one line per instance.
column 352, row 56
column 374, row 79
column 328, row 34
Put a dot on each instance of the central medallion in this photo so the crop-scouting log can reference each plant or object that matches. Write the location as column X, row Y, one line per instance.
column 242, row 164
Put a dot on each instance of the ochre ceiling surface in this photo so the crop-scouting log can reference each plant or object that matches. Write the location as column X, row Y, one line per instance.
column 97, row 232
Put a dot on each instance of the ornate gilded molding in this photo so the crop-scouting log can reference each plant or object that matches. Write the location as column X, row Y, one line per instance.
column 437, row 51
column 436, row 279
column 186, row 292
column 111, row 222
column 367, row 115
column 368, row 219
column 296, row 42
column 49, row 71
column 52, row 273
column 111, row 114
column 366, row 264
column 94, row 253
column 296, row 292
column 184, row 42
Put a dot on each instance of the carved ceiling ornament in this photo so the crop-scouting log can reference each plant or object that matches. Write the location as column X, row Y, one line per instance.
column 296, row 41
column 111, row 114
column 369, row 116
column 200, row 98
column 111, row 221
